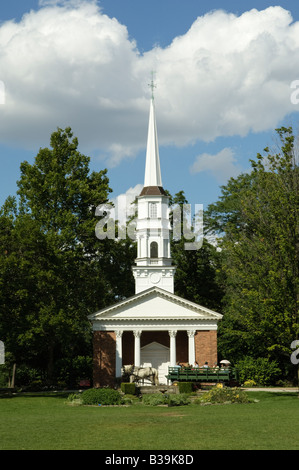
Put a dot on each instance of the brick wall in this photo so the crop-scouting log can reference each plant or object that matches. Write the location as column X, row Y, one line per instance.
column 206, row 347
column 104, row 351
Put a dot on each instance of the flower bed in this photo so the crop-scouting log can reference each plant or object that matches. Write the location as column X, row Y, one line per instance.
column 223, row 395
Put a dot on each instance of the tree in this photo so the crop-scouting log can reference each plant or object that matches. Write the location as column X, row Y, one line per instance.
column 196, row 276
column 53, row 269
column 257, row 217
column 59, row 191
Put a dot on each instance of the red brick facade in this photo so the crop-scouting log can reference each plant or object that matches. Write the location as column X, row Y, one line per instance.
column 104, row 352
column 104, row 343
column 206, row 347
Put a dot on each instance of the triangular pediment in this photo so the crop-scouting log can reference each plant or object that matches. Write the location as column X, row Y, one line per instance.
column 155, row 304
column 154, row 346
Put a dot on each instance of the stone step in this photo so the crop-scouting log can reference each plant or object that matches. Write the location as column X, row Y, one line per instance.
column 158, row 388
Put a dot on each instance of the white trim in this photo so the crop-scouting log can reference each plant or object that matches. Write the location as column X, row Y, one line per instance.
column 191, row 346
column 155, row 292
column 147, row 326
column 137, row 334
column 153, row 343
column 118, row 353
column 172, row 334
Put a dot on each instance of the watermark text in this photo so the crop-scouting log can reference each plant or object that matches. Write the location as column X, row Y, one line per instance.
column 118, row 223
column 295, row 354
column 295, row 93
column 2, row 353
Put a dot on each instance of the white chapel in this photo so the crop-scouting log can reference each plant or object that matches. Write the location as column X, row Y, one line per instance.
column 154, row 327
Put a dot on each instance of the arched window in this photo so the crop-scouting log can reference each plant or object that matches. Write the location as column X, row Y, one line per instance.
column 154, row 250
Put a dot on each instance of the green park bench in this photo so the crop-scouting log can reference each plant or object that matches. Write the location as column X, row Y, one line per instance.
column 202, row 374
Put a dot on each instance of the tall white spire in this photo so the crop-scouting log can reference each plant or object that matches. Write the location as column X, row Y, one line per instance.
column 153, row 266
column 152, row 175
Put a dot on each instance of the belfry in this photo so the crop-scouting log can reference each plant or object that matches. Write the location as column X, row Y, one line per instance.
column 154, row 327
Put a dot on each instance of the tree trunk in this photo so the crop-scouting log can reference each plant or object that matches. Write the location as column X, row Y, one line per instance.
column 13, row 375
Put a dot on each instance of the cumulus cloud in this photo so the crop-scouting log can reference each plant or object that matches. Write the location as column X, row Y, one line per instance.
column 124, row 204
column 64, row 66
column 222, row 165
column 229, row 75
column 69, row 64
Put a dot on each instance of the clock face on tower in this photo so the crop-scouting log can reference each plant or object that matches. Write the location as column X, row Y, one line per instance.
column 155, row 278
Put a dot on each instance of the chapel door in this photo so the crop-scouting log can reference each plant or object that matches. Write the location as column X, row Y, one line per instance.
column 158, row 356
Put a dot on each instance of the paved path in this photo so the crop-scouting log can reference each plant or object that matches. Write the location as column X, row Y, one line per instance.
column 271, row 389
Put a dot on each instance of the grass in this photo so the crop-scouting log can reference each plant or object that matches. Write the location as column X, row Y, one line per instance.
column 47, row 422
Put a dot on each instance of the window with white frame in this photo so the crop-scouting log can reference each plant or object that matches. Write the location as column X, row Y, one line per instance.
column 153, row 210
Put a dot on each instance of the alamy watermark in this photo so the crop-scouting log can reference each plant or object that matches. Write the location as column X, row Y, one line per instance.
column 119, row 222
column 2, row 353
column 295, row 354
column 295, row 94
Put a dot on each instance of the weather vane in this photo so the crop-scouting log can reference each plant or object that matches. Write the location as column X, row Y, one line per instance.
column 152, row 85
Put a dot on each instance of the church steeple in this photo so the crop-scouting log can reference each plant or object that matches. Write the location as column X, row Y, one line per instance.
column 153, row 262
column 152, row 175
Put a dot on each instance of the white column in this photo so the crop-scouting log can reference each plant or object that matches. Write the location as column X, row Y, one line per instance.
column 191, row 346
column 146, row 248
column 137, row 334
column 118, row 354
column 172, row 334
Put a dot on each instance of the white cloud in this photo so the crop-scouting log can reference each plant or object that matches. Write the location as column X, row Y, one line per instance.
column 222, row 166
column 69, row 64
column 228, row 75
column 123, row 203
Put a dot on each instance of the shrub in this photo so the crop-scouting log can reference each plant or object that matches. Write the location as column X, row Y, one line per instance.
column 27, row 375
column 155, row 399
column 126, row 401
column 74, row 399
column 129, row 399
column 261, row 370
column 249, row 383
column 178, row 399
column 224, row 395
column 101, row 396
column 73, row 369
column 185, row 387
column 128, row 388
column 36, row 386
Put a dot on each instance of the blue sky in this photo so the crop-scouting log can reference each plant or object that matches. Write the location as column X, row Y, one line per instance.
column 223, row 75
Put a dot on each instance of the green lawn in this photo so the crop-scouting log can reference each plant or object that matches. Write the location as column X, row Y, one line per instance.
column 48, row 423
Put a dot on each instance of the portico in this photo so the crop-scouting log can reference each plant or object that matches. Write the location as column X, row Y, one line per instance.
column 137, row 349
column 185, row 330
column 139, row 360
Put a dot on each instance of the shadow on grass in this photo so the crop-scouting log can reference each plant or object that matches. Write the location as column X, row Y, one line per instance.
column 270, row 395
column 51, row 394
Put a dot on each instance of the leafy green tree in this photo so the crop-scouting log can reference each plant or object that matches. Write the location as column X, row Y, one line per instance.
column 257, row 221
column 197, row 271
column 53, row 269
column 59, row 191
